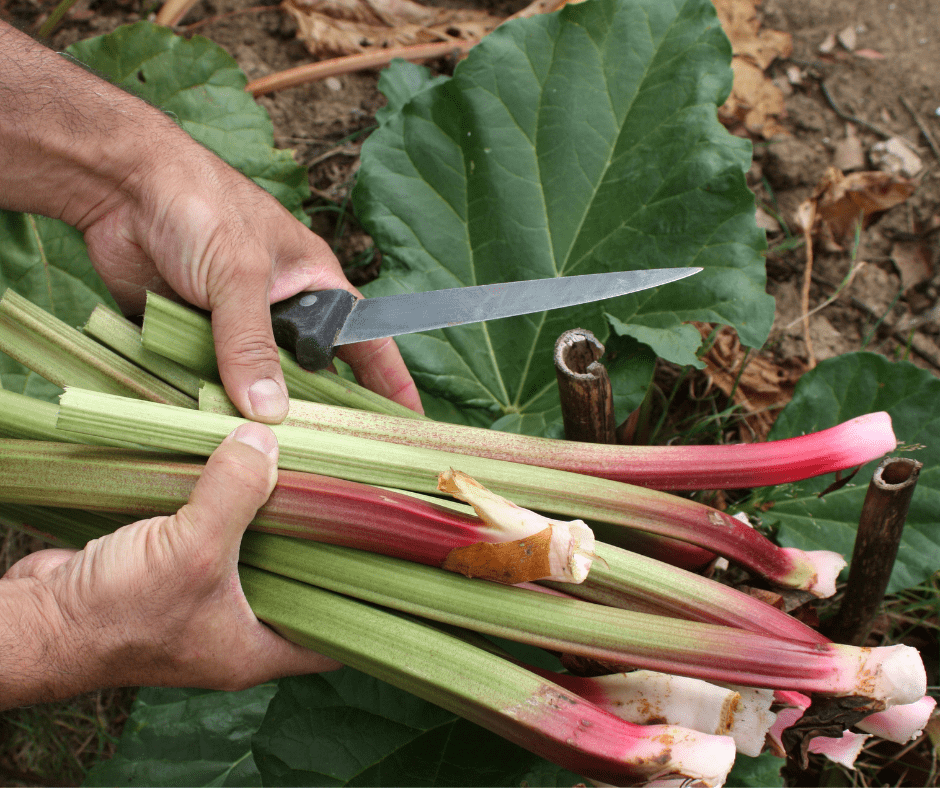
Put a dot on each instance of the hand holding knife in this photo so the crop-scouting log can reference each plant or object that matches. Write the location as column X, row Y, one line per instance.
column 311, row 324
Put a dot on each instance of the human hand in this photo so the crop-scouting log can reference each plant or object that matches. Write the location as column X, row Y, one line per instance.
column 161, row 212
column 196, row 227
column 158, row 602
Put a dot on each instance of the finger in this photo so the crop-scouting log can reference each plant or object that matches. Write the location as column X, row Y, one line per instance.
column 237, row 480
column 39, row 564
column 378, row 366
column 247, row 355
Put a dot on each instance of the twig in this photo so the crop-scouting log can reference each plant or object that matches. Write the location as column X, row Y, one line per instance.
column 850, row 117
column 844, row 284
column 923, row 128
column 311, row 72
column 587, row 402
column 876, row 547
column 807, row 280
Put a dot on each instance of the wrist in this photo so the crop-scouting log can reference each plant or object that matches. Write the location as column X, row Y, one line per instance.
column 71, row 145
column 40, row 660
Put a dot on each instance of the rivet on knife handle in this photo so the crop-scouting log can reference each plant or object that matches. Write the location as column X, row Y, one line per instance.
column 307, row 325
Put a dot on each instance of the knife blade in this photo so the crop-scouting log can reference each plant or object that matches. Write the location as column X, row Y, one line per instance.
column 311, row 324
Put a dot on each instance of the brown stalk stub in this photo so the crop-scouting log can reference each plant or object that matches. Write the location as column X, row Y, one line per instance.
column 876, row 547
column 520, row 561
column 587, row 402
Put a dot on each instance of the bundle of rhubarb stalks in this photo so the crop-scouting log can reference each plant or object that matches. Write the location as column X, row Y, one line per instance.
column 397, row 544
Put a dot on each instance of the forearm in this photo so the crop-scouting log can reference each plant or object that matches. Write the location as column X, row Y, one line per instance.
column 37, row 662
column 70, row 143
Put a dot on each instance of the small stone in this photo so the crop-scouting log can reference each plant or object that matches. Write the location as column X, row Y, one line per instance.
column 848, row 154
column 848, row 38
column 333, row 84
column 895, row 157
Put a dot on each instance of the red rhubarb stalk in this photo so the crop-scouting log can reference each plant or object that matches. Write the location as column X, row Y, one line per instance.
column 505, row 543
column 543, row 489
column 847, row 445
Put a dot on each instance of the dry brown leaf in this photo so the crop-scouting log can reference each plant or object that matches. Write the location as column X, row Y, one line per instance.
column 840, row 201
column 761, row 389
column 913, row 261
column 755, row 101
column 739, row 21
column 332, row 28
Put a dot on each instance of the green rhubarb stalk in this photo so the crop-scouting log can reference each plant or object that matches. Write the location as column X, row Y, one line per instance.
column 66, row 357
column 485, row 689
column 661, row 467
column 31, row 419
column 504, row 543
column 183, row 335
column 888, row 675
column 124, row 337
column 376, row 519
column 444, row 669
column 624, row 579
column 60, row 527
column 574, row 496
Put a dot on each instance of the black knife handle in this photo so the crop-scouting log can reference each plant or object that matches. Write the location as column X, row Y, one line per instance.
column 307, row 324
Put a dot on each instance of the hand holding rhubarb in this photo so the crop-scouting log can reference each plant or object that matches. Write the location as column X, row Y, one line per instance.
column 160, row 212
column 155, row 603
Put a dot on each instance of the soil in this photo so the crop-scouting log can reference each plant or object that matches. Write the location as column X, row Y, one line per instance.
column 888, row 80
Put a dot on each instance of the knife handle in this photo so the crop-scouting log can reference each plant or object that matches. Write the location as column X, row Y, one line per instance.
column 307, row 324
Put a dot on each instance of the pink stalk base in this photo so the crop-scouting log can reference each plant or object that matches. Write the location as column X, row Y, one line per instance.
column 900, row 724
column 843, row 750
column 615, row 751
column 844, row 446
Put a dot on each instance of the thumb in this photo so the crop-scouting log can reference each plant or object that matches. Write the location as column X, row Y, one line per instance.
column 39, row 564
column 236, row 481
column 247, row 355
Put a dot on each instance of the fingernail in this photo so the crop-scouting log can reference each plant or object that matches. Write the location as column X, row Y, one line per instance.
column 268, row 401
column 258, row 437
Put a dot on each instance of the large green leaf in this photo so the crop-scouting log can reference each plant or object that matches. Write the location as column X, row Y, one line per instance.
column 346, row 728
column 188, row 737
column 569, row 143
column 835, row 391
column 199, row 83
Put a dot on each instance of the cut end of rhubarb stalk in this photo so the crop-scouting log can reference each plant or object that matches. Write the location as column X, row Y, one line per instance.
column 695, row 758
column 870, row 436
column 894, row 675
column 522, row 545
column 752, row 719
column 816, row 571
column 900, row 724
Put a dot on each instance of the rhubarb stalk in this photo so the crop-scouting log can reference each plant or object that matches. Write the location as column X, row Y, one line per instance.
column 847, row 445
column 888, row 675
column 66, row 357
column 505, row 698
column 178, row 333
column 504, row 543
column 558, row 492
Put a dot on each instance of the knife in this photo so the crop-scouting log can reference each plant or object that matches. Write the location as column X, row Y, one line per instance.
column 311, row 324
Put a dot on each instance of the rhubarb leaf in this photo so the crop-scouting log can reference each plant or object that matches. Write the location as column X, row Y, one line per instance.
column 201, row 86
column 748, row 772
column 839, row 389
column 346, row 728
column 570, row 143
column 188, row 737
